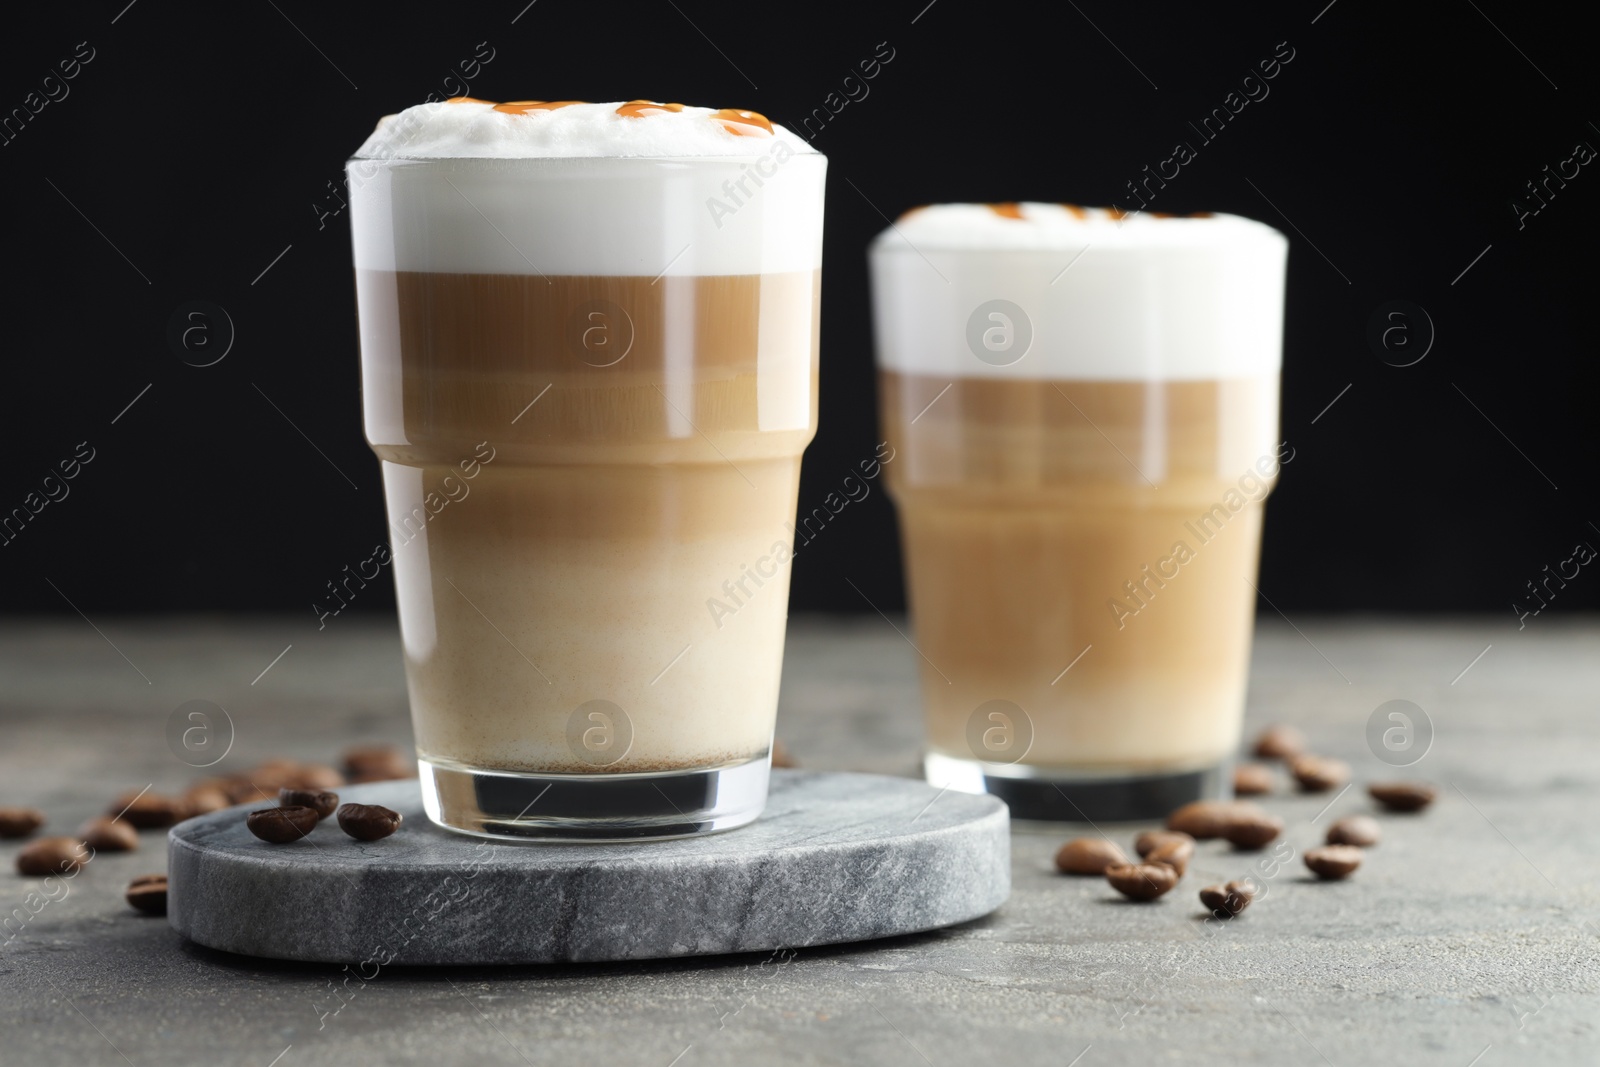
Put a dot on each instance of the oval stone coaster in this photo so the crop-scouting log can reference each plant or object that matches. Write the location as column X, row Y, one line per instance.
column 835, row 857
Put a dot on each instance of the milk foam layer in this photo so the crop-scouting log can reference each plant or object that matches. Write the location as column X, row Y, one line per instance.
column 1087, row 294
column 476, row 130
column 581, row 190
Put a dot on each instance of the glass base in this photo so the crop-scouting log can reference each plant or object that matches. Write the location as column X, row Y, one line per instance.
column 593, row 807
column 1061, row 794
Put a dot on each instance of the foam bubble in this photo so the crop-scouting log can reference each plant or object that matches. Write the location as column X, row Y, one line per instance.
column 1052, row 291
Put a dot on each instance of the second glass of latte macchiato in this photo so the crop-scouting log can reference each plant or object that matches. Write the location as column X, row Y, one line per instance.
column 1084, row 407
column 589, row 365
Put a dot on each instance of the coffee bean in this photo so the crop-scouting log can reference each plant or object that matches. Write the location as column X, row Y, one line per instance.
column 1141, row 881
column 1150, row 840
column 148, row 893
column 320, row 801
column 1360, row 830
column 282, row 825
column 1201, row 819
column 1333, row 861
column 1318, row 774
column 781, row 756
column 1252, row 828
column 1280, row 742
column 1251, row 780
column 368, row 822
column 148, row 811
column 105, row 834
column 1175, row 854
column 1088, row 855
column 1403, row 796
column 1226, row 901
column 313, row 777
column 377, row 763
column 52, row 855
column 20, row 822
column 207, row 796
column 1206, row 819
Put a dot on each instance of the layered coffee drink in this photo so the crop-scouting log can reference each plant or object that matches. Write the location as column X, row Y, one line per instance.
column 1084, row 407
column 589, row 357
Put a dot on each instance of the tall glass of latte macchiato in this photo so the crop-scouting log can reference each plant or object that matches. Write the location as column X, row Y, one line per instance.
column 589, row 365
column 1084, row 407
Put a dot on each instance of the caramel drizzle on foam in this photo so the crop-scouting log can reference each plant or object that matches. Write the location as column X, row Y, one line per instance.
column 737, row 121
column 522, row 107
column 1013, row 210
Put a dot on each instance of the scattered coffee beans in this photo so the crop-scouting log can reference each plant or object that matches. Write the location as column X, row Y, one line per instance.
column 282, row 825
column 1318, row 774
column 368, row 822
column 1252, row 828
column 20, row 822
column 105, row 834
column 148, row 811
column 52, row 855
column 320, row 801
column 1088, row 855
column 377, row 763
column 1251, row 780
column 148, row 893
column 1174, row 849
column 1403, row 796
column 1360, row 830
column 1141, row 881
column 1280, row 742
column 1226, row 901
column 1333, row 861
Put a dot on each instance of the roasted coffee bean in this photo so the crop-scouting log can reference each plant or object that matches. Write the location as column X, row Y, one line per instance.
column 368, row 822
column 1318, row 774
column 1403, row 796
column 20, row 822
column 1252, row 828
column 207, row 796
column 105, row 834
column 1175, row 855
column 781, row 756
column 1141, row 881
column 52, row 855
column 1251, row 780
column 148, row 811
column 1280, row 742
column 1226, row 901
column 320, row 801
column 1172, row 847
column 1201, row 819
column 1333, row 861
column 313, row 777
column 1150, row 840
column 1360, row 830
column 148, row 893
column 282, row 825
column 377, row 763
column 1088, row 855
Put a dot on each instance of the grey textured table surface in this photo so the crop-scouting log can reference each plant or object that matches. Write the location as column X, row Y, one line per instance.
column 1469, row 937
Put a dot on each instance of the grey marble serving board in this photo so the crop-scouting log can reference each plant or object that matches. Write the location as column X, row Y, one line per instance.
column 835, row 857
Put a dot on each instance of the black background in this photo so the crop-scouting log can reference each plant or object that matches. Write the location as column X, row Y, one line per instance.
column 201, row 138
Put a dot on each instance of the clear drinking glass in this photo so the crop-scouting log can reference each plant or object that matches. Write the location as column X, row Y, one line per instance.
column 590, row 388
column 1084, row 412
